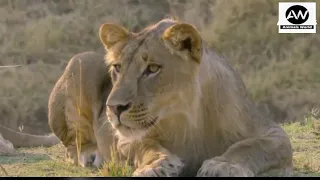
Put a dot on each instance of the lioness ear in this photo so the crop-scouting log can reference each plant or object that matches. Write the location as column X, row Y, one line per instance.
column 110, row 34
column 184, row 38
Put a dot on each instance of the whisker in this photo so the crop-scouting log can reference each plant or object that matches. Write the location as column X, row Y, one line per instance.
column 141, row 119
column 156, row 126
column 151, row 121
column 106, row 121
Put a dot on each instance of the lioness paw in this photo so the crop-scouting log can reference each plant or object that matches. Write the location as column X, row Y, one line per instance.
column 216, row 168
column 161, row 168
column 85, row 159
column 98, row 161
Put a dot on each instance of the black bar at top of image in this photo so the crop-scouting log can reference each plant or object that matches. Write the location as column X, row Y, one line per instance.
column 71, row 178
column 102, row 178
column 76, row 178
column 84, row 178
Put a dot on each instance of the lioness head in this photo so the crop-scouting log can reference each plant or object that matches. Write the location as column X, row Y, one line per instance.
column 149, row 71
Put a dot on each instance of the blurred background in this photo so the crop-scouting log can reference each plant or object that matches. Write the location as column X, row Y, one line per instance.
column 281, row 71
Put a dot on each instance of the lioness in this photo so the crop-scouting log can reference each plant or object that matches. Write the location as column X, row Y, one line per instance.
column 11, row 139
column 76, row 109
column 180, row 109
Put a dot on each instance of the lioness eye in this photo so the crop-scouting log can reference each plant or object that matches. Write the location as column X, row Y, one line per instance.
column 153, row 68
column 117, row 67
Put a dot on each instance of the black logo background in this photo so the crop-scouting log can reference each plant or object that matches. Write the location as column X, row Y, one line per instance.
column 296, row 9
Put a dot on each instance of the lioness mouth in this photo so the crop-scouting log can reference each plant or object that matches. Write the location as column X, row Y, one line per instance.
column 123, row 125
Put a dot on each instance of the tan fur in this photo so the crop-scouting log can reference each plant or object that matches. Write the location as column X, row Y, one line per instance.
column 77, row 106
column 6, row 147
column 193, row 116
column 11, row 139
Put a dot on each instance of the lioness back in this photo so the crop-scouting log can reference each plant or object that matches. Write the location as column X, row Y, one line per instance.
column 77, row 101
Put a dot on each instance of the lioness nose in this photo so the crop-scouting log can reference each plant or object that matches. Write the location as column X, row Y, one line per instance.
column 119, row 109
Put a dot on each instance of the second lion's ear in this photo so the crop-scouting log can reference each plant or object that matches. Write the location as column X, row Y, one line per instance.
column 185, row 39
column 110, row 34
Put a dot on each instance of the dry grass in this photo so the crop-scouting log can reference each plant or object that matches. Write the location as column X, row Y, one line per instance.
column 305, row 139
column 117, row 167
column 44, row 162
column 280, row 70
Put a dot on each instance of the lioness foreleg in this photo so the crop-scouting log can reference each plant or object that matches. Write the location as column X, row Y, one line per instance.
column 252, row 156
column 152, row 160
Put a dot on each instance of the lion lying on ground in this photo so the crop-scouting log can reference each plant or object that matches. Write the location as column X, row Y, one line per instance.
column 76, row 109
column 180, row 109
column 11, row 139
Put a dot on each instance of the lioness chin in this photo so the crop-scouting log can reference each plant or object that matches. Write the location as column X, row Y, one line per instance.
column 180, row 109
